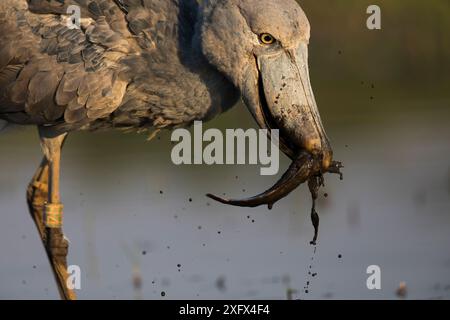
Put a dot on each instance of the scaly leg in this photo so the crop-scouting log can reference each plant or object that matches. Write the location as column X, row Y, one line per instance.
column 46, row 209
column 37, row 196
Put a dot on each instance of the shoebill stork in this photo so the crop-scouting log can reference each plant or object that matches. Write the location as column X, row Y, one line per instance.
column 153, row 64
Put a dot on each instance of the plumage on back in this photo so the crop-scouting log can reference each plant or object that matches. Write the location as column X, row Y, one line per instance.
column 51, row 73
column 122, row 68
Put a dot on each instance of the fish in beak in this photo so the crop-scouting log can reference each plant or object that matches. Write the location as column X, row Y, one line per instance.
column 261, row 46
column 279, row 95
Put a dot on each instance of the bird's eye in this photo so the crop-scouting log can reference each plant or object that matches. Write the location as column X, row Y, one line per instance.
column 266, row 38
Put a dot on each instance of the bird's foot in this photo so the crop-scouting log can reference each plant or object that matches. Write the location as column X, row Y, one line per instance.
column 37, row 195
column 45, row 215
column 57, row 246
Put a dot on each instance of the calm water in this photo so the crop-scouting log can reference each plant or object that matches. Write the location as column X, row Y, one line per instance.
column 391, row 210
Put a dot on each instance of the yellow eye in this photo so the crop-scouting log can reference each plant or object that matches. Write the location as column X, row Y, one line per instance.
column 266, row 38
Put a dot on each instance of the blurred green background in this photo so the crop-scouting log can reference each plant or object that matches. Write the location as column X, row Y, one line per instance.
column 411, row 50
column 361, row 74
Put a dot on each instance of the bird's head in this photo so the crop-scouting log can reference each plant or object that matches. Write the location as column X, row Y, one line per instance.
column 262, row 47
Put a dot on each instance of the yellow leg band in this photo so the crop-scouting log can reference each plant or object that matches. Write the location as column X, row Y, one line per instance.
column 53, row 215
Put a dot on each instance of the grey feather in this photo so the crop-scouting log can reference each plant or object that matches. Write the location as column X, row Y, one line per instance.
column 131, row 65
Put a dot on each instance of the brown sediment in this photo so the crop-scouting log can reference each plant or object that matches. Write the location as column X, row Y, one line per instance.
column 310, row 274
column 314, row 183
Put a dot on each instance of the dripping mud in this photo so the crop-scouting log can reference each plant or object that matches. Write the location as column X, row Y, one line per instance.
column 305, row 168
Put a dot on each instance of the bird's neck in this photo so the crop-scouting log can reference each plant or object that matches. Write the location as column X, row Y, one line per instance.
column 175, row 83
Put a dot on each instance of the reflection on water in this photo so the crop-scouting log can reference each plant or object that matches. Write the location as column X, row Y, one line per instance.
column 142, row 227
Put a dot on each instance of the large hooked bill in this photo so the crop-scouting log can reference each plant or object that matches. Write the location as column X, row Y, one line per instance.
column 280, row 96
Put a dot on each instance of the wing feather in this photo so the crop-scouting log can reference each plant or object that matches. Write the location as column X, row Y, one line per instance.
column 114, row 68
column 53, row 74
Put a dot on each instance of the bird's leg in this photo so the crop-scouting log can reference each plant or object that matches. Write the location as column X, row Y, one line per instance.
column 37, row 196
column 46, row 209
